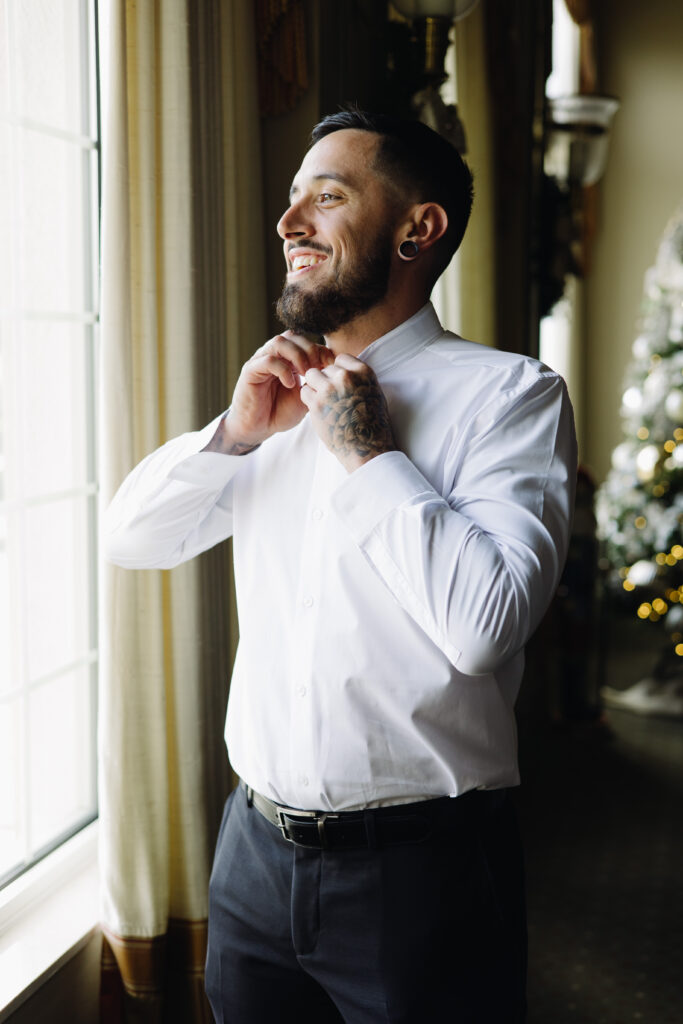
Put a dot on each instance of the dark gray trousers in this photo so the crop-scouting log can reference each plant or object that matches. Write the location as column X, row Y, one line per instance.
column 421, row 933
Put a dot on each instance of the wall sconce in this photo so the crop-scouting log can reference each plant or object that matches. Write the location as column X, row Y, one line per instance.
column 431, row 21
column 577, row 137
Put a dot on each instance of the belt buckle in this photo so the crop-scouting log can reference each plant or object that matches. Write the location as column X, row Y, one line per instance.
column 319, row 817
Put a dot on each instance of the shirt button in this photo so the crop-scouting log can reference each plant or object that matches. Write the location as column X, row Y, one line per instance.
column 317, row 513
column 302, row 691
column 304, row 780
column 308, row 601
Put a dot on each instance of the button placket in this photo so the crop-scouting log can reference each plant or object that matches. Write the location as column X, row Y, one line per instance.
column 305, row 732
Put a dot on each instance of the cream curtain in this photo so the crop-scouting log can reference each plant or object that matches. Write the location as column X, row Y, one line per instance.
column 465, row 295
column 475, row 260
column 182, row 306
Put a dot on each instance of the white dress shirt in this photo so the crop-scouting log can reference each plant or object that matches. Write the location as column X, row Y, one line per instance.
column 383, row 613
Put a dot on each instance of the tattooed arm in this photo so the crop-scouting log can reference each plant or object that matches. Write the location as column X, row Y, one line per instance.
column 266, row 398
column 349, row 411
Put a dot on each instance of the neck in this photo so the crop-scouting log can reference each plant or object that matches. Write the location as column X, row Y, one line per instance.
column 355, row 336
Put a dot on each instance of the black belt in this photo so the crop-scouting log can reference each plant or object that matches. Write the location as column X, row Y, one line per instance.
column 374, row 827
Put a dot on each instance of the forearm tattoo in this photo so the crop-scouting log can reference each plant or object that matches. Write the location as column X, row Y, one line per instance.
column 218, row 444
column 239, row 449
column 358, row 420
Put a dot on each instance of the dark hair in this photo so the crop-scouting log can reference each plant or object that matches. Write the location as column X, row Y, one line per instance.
column 422, row 165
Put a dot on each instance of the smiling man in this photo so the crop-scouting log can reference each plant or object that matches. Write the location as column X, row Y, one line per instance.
column 400, row 502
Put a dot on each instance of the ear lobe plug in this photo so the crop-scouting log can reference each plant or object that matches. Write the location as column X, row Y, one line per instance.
column 408, row 250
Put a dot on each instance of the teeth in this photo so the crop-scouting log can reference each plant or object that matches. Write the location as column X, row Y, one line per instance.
column 306, row 261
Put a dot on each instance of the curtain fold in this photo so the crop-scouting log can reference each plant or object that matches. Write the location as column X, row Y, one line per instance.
column 476, row 260
column 181, row 309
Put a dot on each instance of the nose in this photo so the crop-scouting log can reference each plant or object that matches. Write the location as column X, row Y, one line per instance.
column 294, row 224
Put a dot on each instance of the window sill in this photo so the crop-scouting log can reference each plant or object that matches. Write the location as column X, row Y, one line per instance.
column 46, row 916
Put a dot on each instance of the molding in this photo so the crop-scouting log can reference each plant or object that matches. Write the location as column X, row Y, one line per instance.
column 46, row 916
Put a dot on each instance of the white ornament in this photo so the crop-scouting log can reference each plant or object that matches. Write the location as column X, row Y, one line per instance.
column 677, row 455
column 641, row 347
column 674, row 405
column 646, row 462
column 674, row 617
column 622, row 457
column 656, row 384
column 632, row 399
column 643, row 573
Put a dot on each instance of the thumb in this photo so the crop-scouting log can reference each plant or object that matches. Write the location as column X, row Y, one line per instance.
column 348, row 362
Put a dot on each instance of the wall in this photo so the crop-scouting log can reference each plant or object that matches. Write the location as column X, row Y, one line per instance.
column 640, row 54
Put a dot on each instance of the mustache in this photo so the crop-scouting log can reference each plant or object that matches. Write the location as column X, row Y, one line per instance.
column 308, row 246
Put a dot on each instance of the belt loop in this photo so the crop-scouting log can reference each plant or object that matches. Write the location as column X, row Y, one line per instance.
column 250, row 796
column 369, row 820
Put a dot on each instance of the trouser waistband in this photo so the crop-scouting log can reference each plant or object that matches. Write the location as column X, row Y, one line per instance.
column 395, row 825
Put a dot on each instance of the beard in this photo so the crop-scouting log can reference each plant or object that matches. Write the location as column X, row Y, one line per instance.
column 335, row 304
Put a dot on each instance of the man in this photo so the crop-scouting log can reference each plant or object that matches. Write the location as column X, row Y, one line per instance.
column 400, row 502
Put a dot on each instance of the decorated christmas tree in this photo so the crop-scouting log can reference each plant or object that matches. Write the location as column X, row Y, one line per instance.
column 640, row 506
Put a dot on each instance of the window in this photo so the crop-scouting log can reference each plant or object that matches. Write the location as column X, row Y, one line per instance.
column 49, row 167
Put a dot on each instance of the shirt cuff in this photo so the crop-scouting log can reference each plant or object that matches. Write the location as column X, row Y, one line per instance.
column 209, row 470
column 376, row 489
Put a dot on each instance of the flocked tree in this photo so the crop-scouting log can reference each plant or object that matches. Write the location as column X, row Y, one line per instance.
column 640, row 506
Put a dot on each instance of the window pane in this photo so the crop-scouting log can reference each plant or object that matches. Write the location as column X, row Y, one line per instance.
column 54, row 211
column 4, row 62
column 60, row 776
column 49, row 78
column 6, row 673
column 3, row 376
column 58, row 612
column 11, row 789
column 5, row 217
column 53, row 381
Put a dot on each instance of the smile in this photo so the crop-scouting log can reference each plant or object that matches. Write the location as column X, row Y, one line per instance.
column 304, row 262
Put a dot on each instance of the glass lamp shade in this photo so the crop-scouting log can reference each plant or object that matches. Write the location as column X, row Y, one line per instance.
column 452, row 9
column 578, row 133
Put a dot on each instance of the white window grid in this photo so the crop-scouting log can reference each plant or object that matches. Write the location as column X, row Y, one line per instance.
column 15, row 503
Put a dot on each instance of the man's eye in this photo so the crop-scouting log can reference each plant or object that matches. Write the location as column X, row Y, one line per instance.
column 327, row 197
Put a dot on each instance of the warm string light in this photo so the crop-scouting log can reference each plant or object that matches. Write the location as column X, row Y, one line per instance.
column 654, row 610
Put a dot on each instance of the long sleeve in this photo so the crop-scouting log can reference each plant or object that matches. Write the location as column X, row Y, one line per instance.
column 475, row 568
column 175, row 504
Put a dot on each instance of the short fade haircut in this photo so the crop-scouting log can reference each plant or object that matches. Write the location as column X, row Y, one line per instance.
column 422, row 166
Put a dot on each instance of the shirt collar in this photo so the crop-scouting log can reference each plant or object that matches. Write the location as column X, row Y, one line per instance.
column 404, row 341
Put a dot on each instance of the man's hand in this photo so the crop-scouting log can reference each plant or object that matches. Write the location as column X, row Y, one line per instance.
column 267, row 394
column 349, row 411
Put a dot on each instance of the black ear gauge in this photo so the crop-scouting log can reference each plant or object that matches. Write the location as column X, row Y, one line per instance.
column 408, row 250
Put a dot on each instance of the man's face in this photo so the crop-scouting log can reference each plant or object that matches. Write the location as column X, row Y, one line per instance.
column 338, row 235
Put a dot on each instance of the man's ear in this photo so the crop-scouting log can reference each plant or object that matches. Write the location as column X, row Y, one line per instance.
column 427, row 223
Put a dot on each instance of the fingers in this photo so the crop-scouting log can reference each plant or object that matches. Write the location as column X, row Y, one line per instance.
column 341, row 378
column 287, row 357
column 317, row 379
column 299, row 352
column 346, row 371
column 318, row 354
column 348, row 362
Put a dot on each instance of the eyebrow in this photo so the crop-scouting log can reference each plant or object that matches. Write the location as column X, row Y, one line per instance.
column 328, row 176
